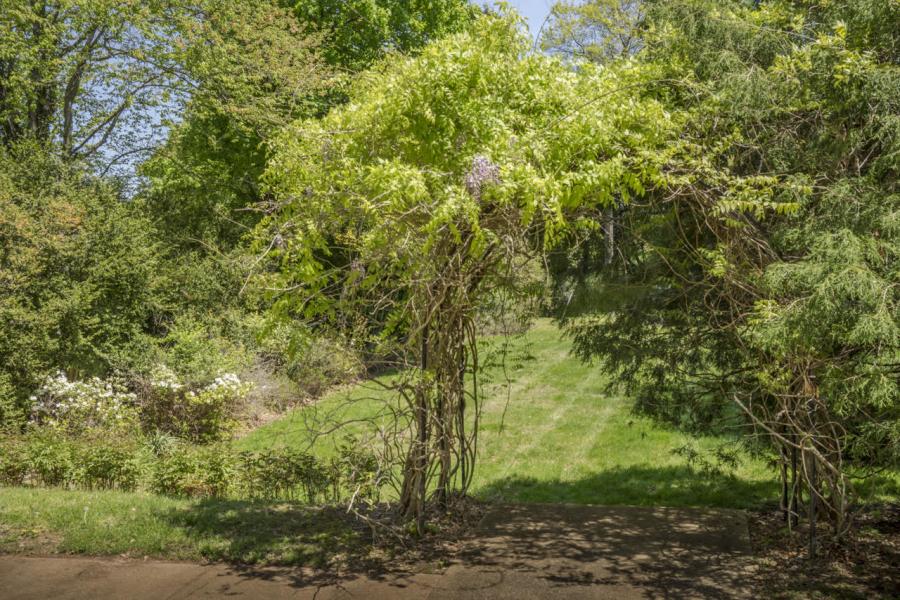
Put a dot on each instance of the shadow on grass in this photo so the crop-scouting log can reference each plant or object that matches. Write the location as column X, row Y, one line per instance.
column 676, row 486
column 269, row 539
column 564, row 551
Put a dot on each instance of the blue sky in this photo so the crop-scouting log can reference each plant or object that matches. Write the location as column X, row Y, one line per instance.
column 533, row 10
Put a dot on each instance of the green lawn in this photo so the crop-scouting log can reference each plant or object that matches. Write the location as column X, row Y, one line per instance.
column 135, row 524
column 551, row 433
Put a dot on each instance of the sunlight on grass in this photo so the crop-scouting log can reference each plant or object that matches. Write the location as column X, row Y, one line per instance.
column 134, row 524
column 551, row 433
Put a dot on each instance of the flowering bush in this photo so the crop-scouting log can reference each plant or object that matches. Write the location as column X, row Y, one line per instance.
column 209, row 413
column 202, row 414
column 164, row 379
column 77, row 406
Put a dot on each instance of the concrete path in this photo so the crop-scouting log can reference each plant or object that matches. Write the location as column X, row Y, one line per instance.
column 519, row 552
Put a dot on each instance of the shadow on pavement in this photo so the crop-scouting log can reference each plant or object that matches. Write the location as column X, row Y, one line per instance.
column 579, row 551
column 517, row 551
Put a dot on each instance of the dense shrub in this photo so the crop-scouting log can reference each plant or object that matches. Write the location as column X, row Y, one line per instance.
column 166, row 465
column 106, row 467
column 13, row 461
column 12, row 413
column 200, row 414
column 359, row 472
column 197, row 351
column 76, row 267
column 322, row 363
column 170, row 471
column 48, row 457
column 285, row 473
column 45, row 457
column 194, row 471
column 313, row 363
column 279, row 473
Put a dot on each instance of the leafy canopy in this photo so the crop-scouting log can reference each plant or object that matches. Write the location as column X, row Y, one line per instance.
column 595, row 30
column 358, row 32
column 381, row 183
column 76, row 273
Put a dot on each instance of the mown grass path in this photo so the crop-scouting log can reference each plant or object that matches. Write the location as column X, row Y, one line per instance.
column 550, row 432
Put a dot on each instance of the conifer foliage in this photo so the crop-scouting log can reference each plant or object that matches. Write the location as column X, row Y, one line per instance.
column 765, row 270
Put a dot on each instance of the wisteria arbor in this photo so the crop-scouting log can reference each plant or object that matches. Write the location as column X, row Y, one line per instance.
column 399, row 212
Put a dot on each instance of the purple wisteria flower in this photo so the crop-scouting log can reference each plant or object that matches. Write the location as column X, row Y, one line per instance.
column 482, row 173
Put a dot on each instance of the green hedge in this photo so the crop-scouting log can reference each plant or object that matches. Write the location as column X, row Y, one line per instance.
column 168, row 466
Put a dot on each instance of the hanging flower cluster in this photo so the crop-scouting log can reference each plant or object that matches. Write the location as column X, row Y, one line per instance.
column 481, row 174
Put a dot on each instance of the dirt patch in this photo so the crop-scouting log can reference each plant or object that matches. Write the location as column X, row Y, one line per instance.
column 866, row 565
column 28, row 541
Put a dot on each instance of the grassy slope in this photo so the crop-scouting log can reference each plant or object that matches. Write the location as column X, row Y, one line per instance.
column 563, row 438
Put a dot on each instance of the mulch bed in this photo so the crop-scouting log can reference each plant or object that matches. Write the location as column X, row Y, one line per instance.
column 392, row 547
column 864, row 565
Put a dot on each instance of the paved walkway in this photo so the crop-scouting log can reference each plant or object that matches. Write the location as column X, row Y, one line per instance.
column 519, row 552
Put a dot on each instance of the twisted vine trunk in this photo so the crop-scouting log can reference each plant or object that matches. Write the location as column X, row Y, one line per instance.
column 412, row 497
column 441, row 456
column 809, row 439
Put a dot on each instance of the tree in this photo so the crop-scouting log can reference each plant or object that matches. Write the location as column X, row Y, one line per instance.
column 84, row 85
column 595, row 30
column 764, row 270
column 399, row 212
column 204, row 183
column 94, row 76
column 76, row 272
column 253, row 71
column 359, row 32
column 599, row 31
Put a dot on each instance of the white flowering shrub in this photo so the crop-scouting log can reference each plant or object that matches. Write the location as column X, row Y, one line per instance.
column 164, row 379
column 199, row 413
column 77, row 406
column 203, row 413
column 211, row 409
